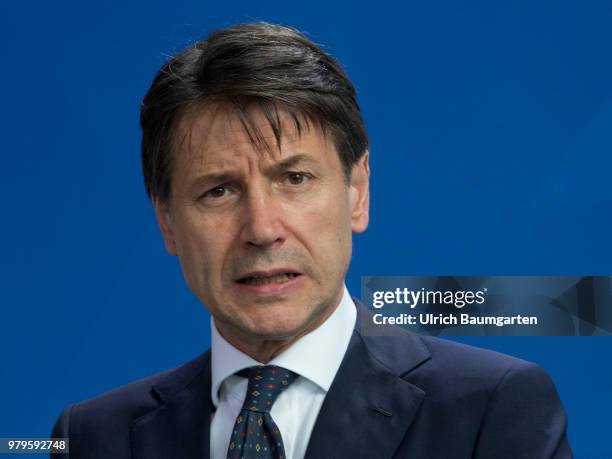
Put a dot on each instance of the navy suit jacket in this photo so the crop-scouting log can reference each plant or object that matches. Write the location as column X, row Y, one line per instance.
column 405, row 396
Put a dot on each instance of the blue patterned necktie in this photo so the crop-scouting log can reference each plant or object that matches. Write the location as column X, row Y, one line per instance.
column 255, row 434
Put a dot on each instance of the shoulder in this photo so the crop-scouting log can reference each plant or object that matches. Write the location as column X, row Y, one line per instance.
column 448, row 368
column 110, row 414
column 464, row 360
column 489, row 371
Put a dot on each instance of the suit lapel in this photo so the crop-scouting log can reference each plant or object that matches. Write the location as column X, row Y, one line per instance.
column 369, row 407
column 180, row 427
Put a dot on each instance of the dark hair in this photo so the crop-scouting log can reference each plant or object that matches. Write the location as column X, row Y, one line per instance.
column 260, row 65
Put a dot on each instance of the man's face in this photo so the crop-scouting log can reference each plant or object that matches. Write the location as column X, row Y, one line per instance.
column 263, row 237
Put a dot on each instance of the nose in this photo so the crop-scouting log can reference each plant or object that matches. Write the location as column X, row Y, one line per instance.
column 262, row 222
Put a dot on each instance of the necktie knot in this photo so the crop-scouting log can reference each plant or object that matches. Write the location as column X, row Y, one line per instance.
column 265, row 385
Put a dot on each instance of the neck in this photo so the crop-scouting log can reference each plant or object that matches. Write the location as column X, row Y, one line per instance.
column 261, row 350
column 264, row 349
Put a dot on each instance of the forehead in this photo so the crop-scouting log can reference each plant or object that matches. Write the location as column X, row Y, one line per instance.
column 217, row 137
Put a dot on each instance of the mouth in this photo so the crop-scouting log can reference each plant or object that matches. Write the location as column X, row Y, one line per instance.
column 257, row 279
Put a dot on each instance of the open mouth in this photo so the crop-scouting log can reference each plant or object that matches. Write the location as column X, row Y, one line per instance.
column 264, row 280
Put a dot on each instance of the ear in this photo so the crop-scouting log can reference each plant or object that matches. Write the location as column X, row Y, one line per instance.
column 164, row 220
column 360, row 194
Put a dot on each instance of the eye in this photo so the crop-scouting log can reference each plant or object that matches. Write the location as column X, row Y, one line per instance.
column 296, row 178
column 219, row 195
column 216, row 192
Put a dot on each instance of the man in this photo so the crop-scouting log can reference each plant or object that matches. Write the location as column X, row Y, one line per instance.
column 255, row 157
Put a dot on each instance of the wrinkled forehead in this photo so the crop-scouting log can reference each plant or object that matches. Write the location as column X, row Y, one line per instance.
column 217, row 134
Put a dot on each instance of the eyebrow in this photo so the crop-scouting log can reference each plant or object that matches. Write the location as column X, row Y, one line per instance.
column 227, row 176
column 214, row 177
column 290, row 162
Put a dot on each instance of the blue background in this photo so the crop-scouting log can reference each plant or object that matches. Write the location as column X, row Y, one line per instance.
column 490, row 125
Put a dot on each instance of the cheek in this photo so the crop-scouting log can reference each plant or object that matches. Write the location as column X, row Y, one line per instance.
column 324, row 226
column 200, row 254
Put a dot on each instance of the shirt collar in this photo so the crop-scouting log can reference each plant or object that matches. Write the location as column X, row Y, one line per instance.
column 316, row 356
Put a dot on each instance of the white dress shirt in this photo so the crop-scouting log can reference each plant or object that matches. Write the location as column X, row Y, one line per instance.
column 315, row 357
